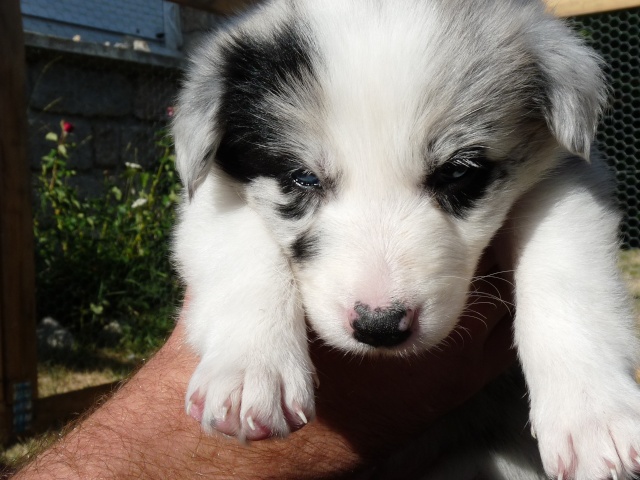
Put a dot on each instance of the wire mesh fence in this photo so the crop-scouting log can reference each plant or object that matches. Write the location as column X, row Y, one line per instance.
column 616, row 35
column 119, row 109
column 101, row 84
column 116, row 109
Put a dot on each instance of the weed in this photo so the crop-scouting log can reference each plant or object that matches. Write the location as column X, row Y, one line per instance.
column 107, row 257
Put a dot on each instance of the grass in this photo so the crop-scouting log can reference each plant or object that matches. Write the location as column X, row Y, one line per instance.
column 21, row 452
column 56, row 378
column 61, row 373
column 630, row 267
column 87, row 365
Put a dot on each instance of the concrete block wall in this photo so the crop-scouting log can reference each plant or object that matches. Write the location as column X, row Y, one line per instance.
column 116, row 108
column 116, row 98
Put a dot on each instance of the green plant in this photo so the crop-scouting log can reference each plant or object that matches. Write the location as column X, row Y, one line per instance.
column 107, row 257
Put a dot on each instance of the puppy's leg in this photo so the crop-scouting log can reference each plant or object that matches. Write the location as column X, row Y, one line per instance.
column 575, row 330
column 255, row 377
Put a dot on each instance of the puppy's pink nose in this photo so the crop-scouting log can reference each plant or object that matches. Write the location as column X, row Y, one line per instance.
column 382, row 327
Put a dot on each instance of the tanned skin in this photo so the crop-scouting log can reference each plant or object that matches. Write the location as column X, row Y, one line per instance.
column 366, row 409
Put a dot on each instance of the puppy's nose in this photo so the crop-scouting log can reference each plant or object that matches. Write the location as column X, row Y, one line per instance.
column 382, row 327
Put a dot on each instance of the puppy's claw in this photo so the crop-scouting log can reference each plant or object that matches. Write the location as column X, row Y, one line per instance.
column 613, row 471
column 252, row 425
column 635, row 458
column 225, row 410
column 195, row 410
column 302, row 416
column 560, row 469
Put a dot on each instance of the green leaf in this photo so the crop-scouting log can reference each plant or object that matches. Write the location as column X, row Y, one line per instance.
column 116, row 193
column 96, row 309
column 52, row 137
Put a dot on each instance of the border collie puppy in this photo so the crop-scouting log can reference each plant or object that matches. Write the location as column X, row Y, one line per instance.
column 347, row 162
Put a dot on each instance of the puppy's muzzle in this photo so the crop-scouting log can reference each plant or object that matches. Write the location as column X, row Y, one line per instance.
column 382, row 327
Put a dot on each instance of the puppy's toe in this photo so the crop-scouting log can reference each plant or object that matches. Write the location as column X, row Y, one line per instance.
column 251, row 401
column 593, row 440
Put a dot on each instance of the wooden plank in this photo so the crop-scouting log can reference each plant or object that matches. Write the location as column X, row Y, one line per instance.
column 18, row 364
column 562, row 8
column 54, row 411
column 222, row 7
column 571, row 8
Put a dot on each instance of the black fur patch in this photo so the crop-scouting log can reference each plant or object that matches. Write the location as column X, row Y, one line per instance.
column 305, row 247
column 254, row 69
column 458, row 196
column 301, row 200
column 300, row 203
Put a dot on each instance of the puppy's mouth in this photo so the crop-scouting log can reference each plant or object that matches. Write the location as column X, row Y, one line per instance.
column 384, row 328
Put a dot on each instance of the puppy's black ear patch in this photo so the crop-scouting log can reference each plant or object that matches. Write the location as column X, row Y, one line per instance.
column 255, row 73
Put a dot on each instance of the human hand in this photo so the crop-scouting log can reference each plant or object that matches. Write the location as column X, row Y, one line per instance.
column 365, row 406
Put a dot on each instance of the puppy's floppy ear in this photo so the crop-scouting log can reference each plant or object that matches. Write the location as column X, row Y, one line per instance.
column 194, row 128
column 574, row 84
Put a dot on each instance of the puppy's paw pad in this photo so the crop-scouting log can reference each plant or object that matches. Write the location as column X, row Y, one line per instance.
column 195, row 406
column 255, row 429
column 635, row 459
column 251, row 402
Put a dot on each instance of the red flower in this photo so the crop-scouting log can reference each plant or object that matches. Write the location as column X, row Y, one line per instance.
column 67, row 126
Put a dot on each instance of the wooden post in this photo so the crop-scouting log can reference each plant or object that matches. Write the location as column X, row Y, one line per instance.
column 223, row 7
column 562, row 8
column 18, row 357
column 571, row 8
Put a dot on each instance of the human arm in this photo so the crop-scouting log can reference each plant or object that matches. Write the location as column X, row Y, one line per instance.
column 365, row 408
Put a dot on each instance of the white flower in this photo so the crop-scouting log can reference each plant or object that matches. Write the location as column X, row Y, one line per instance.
column 139, row 202
column 133, row 166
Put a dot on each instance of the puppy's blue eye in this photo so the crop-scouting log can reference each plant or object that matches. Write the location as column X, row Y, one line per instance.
column 462, row 170
column 455, row 172
column 306, row 179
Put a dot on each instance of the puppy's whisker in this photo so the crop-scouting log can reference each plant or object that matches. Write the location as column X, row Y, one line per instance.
column 496, row 300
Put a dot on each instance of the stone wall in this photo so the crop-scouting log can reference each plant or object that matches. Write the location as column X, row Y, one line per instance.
column 116, row 107
column 117, row 99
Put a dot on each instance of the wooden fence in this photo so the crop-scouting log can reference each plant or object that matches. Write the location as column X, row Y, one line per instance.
column 18, row 360
column 20, row 408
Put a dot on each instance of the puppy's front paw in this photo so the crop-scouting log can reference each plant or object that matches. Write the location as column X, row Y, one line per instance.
column 252, row 398
column 592, row 437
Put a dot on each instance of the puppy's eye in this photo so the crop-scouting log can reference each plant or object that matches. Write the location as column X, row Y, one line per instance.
column 460, row 182
column 306, row 179
column 452, row 172
column 464, row 169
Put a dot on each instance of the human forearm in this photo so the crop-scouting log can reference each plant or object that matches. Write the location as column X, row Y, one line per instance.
column 142, row 432
column 366, row 409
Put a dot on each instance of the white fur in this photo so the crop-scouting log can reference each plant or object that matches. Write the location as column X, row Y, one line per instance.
column 574, row 329
column 397, row 89
column 232, row 323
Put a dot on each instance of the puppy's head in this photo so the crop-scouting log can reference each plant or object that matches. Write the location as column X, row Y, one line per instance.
column 384, row 143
